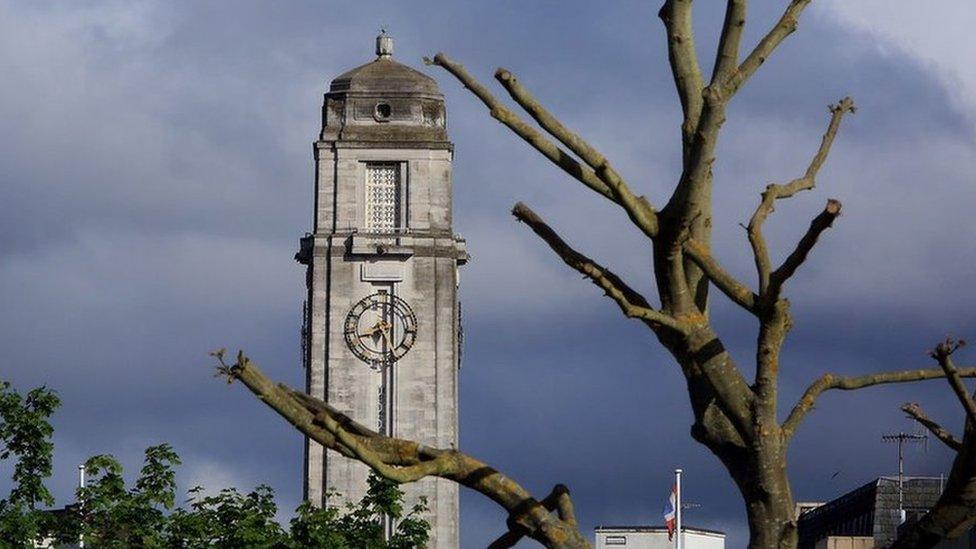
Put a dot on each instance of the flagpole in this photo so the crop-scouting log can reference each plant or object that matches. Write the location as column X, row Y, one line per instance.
column 677, row 511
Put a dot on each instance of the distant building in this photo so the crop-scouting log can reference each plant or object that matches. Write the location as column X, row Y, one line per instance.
column 801, row 507
column 967, row 541
column 656, row 537
column 48, row 541
column 867, row 517
column 846, row 542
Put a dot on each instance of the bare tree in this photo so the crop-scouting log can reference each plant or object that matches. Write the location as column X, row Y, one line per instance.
column 955, row 511
column 736, row 418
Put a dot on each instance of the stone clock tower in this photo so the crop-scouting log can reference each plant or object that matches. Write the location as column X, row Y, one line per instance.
column 382, row 326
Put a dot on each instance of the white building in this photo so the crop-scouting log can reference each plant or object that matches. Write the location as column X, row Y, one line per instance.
column 656, row 537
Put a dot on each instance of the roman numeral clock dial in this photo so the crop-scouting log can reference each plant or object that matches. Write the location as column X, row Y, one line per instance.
column 380, row 329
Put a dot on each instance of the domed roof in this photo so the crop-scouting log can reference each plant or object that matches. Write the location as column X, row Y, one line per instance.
column 384, row 101
column 384, row 75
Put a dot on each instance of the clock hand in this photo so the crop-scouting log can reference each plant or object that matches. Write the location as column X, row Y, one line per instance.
column 386, row 335
column 376, row 327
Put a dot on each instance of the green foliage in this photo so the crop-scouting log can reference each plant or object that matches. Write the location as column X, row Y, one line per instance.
column 157, row 480
column 229, row 519
column 363, row 526
column 25, row 435
column 111, row 515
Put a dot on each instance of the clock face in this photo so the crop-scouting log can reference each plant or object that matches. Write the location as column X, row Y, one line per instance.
column 380, row 329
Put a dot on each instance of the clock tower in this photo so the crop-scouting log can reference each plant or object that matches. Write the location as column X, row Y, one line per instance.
column 382, row 320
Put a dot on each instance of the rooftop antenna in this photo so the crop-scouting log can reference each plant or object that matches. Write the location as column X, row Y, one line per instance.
column 901, row 439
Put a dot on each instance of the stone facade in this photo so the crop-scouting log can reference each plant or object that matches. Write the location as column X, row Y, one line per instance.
column 385, row 117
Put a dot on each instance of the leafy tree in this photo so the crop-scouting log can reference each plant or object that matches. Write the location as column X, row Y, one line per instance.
column 25, row 436
column 359, row 527
column 232, row 519
column 110, row 515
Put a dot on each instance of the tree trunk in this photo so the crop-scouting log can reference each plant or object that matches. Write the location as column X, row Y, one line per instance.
column 758, row 468
column 769, row 505
column 771, row 525
column 768, row 497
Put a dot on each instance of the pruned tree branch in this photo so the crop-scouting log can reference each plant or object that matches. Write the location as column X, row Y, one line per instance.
column 943, row 355
column 831, row 381
column 523, row 129
column 915, row 412
column 441, row 461
column 716, row 366
column 638, row 209
column 564, row 505
column 676, row 15
column 723, row 280
column 557, row 500
column 631, row 302
column 784, row 27
column 727, row 56
column 775, row 191
column 821, row 223
column 403, row 460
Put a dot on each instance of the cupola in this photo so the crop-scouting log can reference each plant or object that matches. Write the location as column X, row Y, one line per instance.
column 383, row 100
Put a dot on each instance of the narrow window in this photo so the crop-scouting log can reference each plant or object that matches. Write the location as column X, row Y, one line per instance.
column 616, row 540
column 383, row 191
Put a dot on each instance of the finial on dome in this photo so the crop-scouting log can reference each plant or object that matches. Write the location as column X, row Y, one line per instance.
column 384, row 44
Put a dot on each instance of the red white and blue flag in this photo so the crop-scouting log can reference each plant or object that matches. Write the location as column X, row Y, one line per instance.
column 670, row 511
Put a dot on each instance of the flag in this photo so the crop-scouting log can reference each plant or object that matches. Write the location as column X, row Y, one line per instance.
column 670, row 510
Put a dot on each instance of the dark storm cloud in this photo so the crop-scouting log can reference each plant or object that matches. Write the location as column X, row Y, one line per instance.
column 156, row 170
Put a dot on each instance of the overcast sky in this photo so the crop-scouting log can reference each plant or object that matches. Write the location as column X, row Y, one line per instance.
column 156, row 173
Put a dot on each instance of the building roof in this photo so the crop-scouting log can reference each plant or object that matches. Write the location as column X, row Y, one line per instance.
column 384, row 75
column 652, row 529
column 869, row 510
